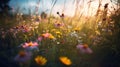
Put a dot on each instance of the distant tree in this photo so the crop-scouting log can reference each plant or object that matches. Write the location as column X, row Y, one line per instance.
column 4, row 7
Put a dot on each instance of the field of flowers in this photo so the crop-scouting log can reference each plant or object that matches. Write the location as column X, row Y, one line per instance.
column 48, row 41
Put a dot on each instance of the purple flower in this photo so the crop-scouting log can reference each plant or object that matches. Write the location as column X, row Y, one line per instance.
column 58, row 24
column 84, row 48
column 23, row 56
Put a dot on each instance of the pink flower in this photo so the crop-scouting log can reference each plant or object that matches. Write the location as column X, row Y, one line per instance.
column 30, row 44
column 84, row 48
column 46, row 35
column 40, row 38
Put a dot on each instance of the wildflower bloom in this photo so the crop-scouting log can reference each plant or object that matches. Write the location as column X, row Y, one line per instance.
column 51, row 36
column 58, row 24
column 23, row 56
column 58, row 33
column 65, row 60
column 39, row 38
column 31, row 46
column 40, row 60
column 84, row 48
column 48, row 35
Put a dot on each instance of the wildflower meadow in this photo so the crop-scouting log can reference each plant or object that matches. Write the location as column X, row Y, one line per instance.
column 53, row 39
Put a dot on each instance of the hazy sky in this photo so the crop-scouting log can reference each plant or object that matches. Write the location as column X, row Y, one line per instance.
column 67, row 9
column 45, row 5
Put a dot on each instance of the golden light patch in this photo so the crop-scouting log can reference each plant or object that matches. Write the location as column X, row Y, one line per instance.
column 97, row 32
column 77, row 29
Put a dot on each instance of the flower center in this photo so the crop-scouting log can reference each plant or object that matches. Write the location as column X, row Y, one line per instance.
column 22, row 53
column 85, row 46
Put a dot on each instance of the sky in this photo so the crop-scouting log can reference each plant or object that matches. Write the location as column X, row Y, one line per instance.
column 63, row 6
column 45, row 5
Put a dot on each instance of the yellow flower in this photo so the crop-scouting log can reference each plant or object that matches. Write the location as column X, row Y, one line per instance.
column 76, row 29
column 40, row 60
column 65, row 60
column 51, row 36
column 48, row 35
column 58, row 32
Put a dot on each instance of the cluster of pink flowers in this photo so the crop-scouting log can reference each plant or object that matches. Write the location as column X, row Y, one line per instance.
column 25, row 55
column 30, row 45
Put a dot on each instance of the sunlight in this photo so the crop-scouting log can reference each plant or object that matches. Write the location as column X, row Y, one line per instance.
column 91, row 8
column 86, row 8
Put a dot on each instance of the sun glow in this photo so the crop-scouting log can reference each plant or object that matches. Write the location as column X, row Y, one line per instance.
column 87, row 7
